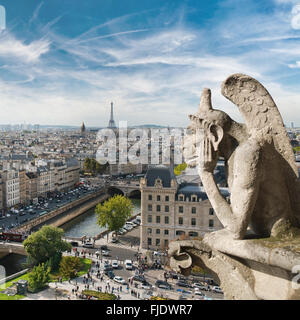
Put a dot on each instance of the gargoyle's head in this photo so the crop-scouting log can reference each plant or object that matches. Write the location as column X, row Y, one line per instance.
column 206, row 123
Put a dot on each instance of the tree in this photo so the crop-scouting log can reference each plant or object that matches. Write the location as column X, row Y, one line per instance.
column 69, row 266
column 46, row 244
column 38, row 277
column 181, row 167
column 114, row 212
column 87, row 164
column 92, row 166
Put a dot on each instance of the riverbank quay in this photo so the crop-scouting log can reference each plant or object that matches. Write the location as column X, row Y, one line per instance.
column 64, row 213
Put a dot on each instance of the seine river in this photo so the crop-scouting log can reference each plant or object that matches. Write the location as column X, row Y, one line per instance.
column 85, row 224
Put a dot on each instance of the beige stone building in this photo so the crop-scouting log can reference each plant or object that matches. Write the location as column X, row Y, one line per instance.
column 31, row 186
column 71, row 173
column 11, row 188
column 1, row 194
column 22, row 179
column 170, row 210
column 43, row 181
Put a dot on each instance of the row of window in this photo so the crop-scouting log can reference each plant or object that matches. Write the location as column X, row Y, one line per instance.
column 158, row 198
column 180, row 221
column 157, row 219
column 180, row 209
column 157, row 231
column 167, row 198
column 157, row 242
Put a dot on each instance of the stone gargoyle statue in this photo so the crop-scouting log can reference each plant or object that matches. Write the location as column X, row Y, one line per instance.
column 260, row 166
column 259, row 160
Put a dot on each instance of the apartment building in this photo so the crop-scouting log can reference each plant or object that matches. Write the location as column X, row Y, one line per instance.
column 170, row 210
column 22, row 179
column 1, row 194
column 11, row 187
column 71, row 173
column 43, row 181
column 31, row 187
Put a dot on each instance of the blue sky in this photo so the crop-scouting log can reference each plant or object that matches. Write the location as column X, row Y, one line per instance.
column 63, row 62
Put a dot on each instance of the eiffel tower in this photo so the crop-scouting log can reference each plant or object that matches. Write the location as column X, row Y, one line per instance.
column 111, row 123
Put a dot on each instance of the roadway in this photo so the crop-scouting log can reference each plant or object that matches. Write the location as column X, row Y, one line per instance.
column 27, row 213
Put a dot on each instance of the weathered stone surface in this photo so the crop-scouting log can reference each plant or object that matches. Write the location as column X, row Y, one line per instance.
column 261, row 171
column 245, row 270
column 265, row 196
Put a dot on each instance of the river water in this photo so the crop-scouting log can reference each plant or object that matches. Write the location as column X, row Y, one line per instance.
column 85, row 224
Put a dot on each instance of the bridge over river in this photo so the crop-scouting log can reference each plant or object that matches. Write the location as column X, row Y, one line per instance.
column 128, row 188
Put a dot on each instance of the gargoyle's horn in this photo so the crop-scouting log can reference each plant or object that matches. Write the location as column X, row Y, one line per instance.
column 205, row 101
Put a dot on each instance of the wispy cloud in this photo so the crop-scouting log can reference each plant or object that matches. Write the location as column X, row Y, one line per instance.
column 154, row 72
column 36, row 13
column 10, row 47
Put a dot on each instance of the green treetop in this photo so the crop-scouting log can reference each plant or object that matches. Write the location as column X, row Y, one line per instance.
column 114, row 212
column 46, row 244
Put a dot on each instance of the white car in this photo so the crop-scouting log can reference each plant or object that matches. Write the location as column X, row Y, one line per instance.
column 115, row 264
column 131, row 223
column 105, row 253
column 119, row 280
column 88, row 245
column 128, row 227
column 217, row 289
column 122, row 231
column 199, row 293
column 146, row 286
column 128, row 264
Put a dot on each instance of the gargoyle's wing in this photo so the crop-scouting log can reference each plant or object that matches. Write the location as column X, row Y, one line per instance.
column 260, row 113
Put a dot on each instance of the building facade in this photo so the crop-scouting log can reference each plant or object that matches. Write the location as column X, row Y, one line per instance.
column 171, row 211
column 11, row 186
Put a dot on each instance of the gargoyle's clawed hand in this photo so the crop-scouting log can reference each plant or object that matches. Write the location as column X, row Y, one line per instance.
column 208, row 156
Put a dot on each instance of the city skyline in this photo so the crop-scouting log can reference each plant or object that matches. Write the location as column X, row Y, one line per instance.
column 152, row 59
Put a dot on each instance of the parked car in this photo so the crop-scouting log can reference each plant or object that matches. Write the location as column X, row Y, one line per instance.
column 138, row 279
column 109, row 273
column 105, row 253
column 115, row 264
column 88, row 245
column 183, row 284
column 122, row 231
column 103, row 247
column 128, row 227
column 131, row 224
column 128, row 265
column 199, row 293
column 184, row 291
column 163, row 284
column 201, row 286
column 217, row 289
column 146, row 286
column 119, row 280
column 107, row 267
column 74, row 243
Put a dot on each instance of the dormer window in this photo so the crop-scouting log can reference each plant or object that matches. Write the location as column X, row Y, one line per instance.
column 158, row 182
column 181, row 197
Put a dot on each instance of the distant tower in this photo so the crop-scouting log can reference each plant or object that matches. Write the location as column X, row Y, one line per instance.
column 82, row 129
column 111, row 123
